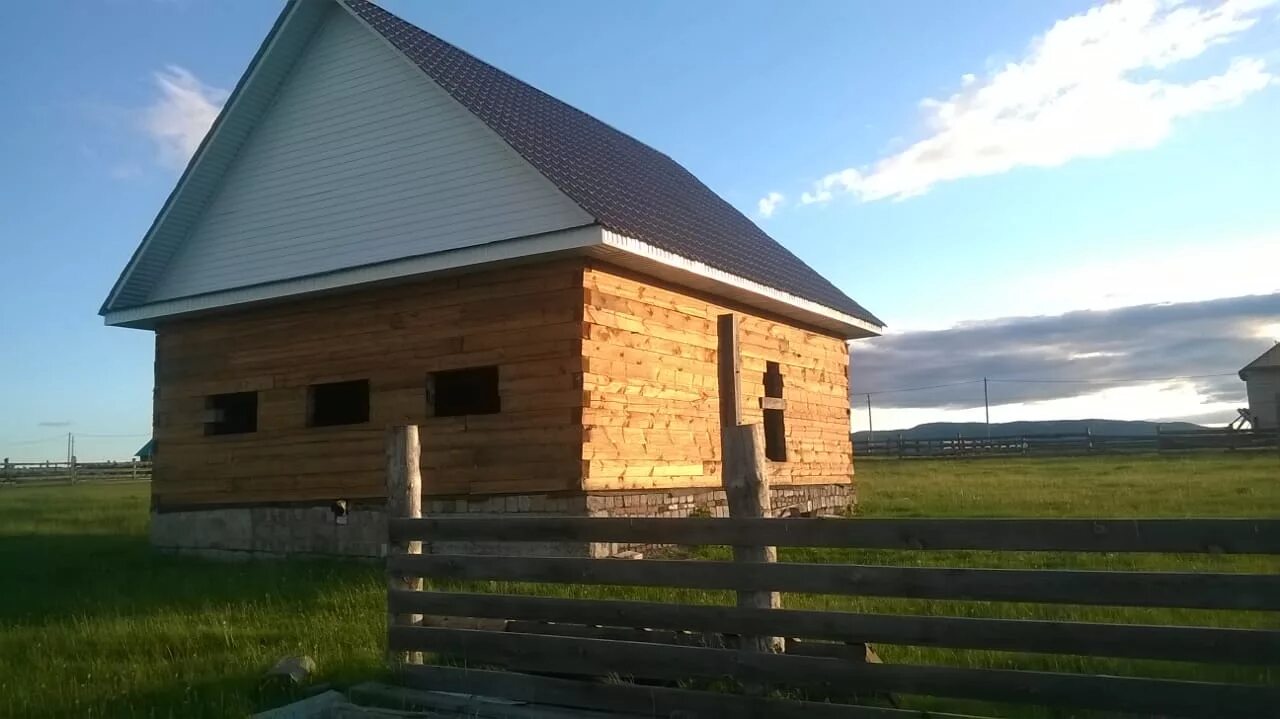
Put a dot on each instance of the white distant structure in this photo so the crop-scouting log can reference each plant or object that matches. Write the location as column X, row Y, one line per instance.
column 1262, row 381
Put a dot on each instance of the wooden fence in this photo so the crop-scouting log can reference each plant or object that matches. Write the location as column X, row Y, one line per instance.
column 1067, row 444
column 72, row 471
column 558, row 650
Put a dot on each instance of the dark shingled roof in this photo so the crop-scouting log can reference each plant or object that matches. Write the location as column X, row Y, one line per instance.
column 629, row 187
column 1268, row 360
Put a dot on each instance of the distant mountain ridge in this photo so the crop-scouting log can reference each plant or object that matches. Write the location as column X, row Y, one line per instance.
column 950, row 430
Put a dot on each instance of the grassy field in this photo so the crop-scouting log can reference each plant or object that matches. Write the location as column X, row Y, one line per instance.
column 97, row 625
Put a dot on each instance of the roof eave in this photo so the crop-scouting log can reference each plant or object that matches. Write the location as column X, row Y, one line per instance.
column 633, row 253
column 591, row 240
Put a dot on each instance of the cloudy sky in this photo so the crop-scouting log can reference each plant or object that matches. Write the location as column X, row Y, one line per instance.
column 1023, row 191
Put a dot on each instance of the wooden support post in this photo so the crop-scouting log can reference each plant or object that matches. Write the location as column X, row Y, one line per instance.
column 728, row 374
column 746, row 486
column 743, row 469
column 404, row 500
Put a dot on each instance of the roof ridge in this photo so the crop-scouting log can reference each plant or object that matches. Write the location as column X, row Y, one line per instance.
column 626, row 185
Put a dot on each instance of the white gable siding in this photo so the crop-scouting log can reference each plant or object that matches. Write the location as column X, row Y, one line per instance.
column 362, row 159
column 1263, row 386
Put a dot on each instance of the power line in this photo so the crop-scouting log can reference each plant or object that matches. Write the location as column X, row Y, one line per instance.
column 63, row 436
column 141, row 434
column 58, row 437
column 1115, row 381
column 1027, row 380
column 913, row 389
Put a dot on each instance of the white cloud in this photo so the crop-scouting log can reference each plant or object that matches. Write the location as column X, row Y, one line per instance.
column 1091, row 86
column 179, row 118
column 770, row 203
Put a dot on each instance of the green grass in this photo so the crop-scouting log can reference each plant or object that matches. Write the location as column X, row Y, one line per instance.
column 95, row 624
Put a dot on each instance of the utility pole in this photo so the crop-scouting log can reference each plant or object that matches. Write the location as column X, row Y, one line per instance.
column 871, row 431
column 986, row 406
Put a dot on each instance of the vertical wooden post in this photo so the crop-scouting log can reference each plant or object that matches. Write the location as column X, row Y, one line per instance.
column 743, row 471
column 728, row 374
column 133, row 469
column 404, row 500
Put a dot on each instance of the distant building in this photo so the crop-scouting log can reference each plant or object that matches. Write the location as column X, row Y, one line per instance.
column 1262, row 381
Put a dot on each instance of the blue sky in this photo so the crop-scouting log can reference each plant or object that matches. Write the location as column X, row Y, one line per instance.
column 986, row 160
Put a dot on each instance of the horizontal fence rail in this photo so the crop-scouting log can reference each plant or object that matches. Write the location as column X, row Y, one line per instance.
column 61, row 471
column 655, row 701
column 1212, row 536
column 643, row 642
column 1212, row 645
column 575, row 655
column 1066, row 444
column 1059, row 586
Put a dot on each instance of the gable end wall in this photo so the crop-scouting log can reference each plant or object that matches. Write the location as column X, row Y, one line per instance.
column 652, row 402
column 360, row 159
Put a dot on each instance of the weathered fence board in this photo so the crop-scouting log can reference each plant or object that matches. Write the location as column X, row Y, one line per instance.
column 574, row 655
column 1136, row 589
column 650, row 700
column 599, row 649
column 1199, row 644
column 1213, row 536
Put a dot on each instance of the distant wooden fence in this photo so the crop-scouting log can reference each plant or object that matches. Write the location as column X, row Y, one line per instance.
column 1067, row 444
column 72, row 471
column 592, row 653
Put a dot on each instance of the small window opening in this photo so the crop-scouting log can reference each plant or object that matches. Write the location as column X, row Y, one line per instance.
column 458, row 392
column 338, row 403
column 233, row 413
column 775, row 429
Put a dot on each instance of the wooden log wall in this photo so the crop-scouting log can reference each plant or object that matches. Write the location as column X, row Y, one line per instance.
column 526, row 320
column 649, row 378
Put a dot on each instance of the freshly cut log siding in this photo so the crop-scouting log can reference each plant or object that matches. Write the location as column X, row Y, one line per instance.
column 652, row 415
column 1197, row 644
column 1137, row 589
column 360, row 159
column 1211, row 536
column 595, row 657
column 526, row 320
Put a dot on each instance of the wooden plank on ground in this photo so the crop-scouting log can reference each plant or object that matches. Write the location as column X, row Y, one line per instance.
column 1212, row 536
column 1199, row 644
column 596, row 657
column 653, row 701
column 1137, row 589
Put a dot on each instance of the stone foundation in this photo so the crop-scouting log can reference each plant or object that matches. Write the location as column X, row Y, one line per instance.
column 271, row 531
column 809, row 500
column 315, row 530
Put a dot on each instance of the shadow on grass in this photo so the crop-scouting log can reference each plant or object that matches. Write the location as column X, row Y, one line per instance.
column 230, row 695
column 103, row 625
column 121, row 575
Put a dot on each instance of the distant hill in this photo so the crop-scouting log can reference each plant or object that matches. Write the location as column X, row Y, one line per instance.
column 948, row 430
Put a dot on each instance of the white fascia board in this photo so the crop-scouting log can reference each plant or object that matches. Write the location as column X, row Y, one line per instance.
column 590, row 240
column 571, row 240
column 800, row 308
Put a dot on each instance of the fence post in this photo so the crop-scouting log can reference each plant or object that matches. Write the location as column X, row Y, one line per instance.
column 404, row 500
column 746, row 486
column 133, row 469
column 743, row 468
